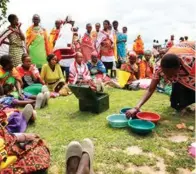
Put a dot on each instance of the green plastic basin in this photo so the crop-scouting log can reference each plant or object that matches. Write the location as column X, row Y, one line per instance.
column 141, row 126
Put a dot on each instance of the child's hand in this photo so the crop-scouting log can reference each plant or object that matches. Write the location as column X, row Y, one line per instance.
column 21, row 97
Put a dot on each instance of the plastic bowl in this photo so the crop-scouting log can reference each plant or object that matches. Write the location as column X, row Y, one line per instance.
column 148, row 116
column 124, row 110
column 118, row 120
column 141, row 126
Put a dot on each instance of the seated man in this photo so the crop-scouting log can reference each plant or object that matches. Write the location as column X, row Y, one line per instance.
column 131, row 67
column 79, row 73
column 146, row 66
column 98, row 71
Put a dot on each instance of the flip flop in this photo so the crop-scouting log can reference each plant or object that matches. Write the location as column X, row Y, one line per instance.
column 88, row 147
column 39, row 101
column 27, row 112
column 46, row 97
column 74, row 149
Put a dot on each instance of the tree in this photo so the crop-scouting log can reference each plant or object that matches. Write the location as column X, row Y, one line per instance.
column 3, row 11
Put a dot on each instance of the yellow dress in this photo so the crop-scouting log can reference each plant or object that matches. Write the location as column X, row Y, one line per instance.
column 50, row 77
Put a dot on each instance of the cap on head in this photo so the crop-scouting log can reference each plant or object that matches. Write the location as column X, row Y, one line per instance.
column 148, row 52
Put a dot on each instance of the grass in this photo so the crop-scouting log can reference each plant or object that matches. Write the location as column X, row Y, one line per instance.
column 62, row 122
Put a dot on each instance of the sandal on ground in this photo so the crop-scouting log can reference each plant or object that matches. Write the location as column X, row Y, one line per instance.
column 74, row 149
column 39, row 101
column 27, row 112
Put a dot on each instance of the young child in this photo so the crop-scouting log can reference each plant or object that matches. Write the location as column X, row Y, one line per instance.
column 10, row 101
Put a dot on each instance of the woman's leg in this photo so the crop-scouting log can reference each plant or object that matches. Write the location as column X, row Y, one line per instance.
column 181, row 96
column 106, row 66
column 83, row 167
column 33, row 89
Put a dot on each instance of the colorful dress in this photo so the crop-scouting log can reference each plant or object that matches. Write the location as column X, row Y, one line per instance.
column 79, row 73
column 33, row 157
column 52, row 78
column 121, row 46
column 53, row 37
column 29, row 85
column 38, row 45
column 87, row 47
column 132, row 69
column 145, row 69
column 9, row 77
column 16, row 45
column 183, row 87
column 94, row 35
column 138, row 46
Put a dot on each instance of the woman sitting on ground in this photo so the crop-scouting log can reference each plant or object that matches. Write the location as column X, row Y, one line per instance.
column 98, row 71
column 146, row 66
column 9, row 74
column 131, row 67
column 79, row 73
column 32, row 82
column 52, row 74
column 176, row 66
column 23, row 152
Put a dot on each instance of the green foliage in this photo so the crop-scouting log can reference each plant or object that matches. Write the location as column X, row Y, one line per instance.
column 3, row 11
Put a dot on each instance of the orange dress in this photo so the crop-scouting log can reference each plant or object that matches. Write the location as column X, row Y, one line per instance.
column 138, row 46
column 145, row 69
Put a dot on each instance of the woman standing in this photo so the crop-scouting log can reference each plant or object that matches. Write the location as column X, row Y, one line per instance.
column 37, row 43
column 16, row 39
column 121, row 45
column 87, row 44
column 105, row 46
column 176, row 66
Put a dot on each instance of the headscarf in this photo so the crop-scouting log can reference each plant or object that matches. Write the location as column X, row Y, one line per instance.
column 132, row 53
column 147, row 52
column 94, row 53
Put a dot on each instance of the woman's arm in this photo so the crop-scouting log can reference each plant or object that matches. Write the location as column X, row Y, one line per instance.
column 25, row 137
column 5, row 42
column 22, row 36
column 23, row 102
column 145, row 98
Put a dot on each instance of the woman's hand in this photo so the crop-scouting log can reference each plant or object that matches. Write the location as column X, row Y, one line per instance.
column 131, row 113
column 26, row 137
column 31, row 136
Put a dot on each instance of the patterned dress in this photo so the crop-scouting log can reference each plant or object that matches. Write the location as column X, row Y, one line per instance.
column 16, row 44
column 33, row 157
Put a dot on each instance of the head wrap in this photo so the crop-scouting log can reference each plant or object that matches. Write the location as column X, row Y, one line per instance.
column 94, row 53
column 132, row 53
column 148, row 52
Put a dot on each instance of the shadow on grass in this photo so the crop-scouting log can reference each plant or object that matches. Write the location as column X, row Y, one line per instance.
column 82, row 115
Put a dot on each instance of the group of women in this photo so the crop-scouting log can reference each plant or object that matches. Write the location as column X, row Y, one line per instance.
column 30, row 74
